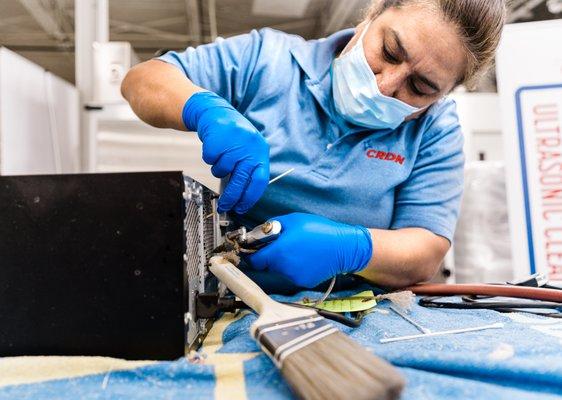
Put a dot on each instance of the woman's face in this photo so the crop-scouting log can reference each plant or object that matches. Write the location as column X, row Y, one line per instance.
column 416, row 56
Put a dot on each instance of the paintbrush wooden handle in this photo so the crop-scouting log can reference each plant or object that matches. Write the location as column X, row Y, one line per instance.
column 240, row 284
column 250, row 293
column 317, row 360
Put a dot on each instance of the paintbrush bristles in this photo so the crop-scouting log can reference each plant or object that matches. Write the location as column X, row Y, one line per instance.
column 335, row 367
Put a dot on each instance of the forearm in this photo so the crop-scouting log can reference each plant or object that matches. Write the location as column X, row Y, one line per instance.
column 157, row 92
column 404, row 257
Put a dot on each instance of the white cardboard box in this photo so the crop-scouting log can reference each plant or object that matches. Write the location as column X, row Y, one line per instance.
column 529, row 70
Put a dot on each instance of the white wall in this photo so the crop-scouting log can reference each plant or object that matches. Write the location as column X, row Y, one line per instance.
column 39, row 131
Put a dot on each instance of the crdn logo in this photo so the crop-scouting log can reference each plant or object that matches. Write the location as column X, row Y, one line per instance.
column 386, row 156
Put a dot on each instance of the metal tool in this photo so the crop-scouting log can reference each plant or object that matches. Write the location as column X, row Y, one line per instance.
column 261, row 234
column 246, row 241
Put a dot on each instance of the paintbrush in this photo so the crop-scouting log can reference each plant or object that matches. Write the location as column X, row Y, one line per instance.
column 316, row 359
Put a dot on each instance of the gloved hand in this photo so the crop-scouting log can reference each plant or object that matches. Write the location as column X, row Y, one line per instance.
column 312, row 249
column 232, row 145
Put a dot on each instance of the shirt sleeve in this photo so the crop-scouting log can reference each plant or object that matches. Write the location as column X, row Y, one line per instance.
column 224, row 67
column 430, row 198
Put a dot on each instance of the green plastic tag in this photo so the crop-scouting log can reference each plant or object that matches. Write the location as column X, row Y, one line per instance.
column 354, row 303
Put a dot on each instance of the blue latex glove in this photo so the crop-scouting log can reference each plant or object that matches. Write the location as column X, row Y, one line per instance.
column 312, row 249
column 232, row 145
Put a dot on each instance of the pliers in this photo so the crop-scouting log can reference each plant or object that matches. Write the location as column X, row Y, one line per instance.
column 243, row 241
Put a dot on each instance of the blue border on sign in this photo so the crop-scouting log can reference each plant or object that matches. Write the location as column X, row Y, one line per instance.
column 523, row 158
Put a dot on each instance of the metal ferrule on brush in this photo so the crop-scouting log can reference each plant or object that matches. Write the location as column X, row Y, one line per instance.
column 279, row 340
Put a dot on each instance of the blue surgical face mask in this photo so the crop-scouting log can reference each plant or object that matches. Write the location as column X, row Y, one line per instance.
column 357, row 96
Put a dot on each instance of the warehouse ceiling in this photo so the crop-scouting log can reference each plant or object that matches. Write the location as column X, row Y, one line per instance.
column 43, row 30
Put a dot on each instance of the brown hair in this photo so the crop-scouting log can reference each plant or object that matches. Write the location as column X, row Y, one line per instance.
column 479, row 23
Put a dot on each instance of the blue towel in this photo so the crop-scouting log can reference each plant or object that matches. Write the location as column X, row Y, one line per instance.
column 523, row 360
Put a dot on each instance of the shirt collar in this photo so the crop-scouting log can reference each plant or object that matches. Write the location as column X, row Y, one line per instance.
column 315, row 57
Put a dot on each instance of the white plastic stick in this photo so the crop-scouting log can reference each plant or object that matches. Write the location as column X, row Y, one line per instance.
column 281, row 176
column 451, row 332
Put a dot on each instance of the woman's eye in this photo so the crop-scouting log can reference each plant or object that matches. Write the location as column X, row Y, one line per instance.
column 416, row 91
column 388, row 56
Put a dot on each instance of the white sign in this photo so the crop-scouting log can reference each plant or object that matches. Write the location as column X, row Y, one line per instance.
column 530, row 85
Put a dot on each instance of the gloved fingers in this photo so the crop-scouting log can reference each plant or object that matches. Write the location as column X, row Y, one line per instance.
column 211, row 152
column 224, row 165
column 260, row 259
column 258, row 183
column 272, row 258
column 239, row 180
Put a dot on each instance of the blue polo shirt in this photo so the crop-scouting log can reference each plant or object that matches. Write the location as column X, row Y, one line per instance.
column 389, row 179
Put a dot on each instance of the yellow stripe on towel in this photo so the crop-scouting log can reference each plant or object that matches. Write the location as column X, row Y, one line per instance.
column 22, row 370
column 229, row 367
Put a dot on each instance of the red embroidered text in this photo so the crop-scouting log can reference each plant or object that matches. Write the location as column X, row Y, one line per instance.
column 386, row 156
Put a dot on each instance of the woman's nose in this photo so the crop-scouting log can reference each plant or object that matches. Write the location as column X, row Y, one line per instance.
column 391, row 79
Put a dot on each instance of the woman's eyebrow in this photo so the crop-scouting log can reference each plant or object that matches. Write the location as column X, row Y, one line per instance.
column 401, row 49
column 404, row 54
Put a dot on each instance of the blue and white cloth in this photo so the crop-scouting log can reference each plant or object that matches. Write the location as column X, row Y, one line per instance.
column 521, row 361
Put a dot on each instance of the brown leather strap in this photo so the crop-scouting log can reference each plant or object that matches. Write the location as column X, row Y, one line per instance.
column 523, row 292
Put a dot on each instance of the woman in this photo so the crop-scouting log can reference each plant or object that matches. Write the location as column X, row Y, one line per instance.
column 361, row 116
